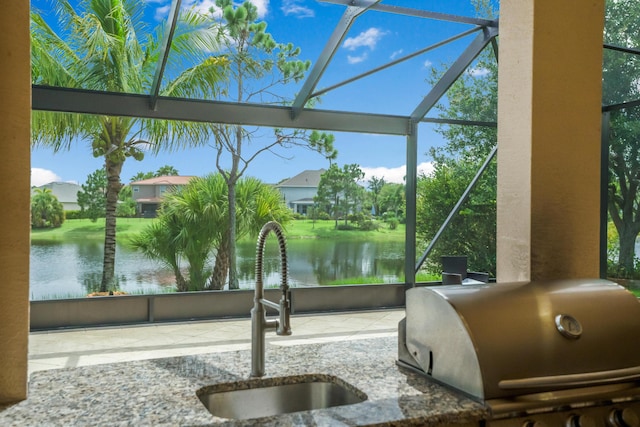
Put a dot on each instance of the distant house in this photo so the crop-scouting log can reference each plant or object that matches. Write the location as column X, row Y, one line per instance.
column 299, row 191
column 65, row 192
column 149, row 193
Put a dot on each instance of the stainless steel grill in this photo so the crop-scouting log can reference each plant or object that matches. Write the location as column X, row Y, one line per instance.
column 530, row 348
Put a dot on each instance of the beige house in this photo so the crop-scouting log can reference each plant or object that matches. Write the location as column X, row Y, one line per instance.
column 149, row 193
column 298, row 192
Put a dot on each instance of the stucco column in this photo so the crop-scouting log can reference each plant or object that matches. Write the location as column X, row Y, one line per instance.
column 15, row 113
column 549, row 101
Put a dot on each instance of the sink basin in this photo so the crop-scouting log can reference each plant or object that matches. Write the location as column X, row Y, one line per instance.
column 258, row 398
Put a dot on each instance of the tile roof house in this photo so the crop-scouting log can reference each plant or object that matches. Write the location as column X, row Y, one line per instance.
column 149, row 193
column 299, row 191
column 65, row 192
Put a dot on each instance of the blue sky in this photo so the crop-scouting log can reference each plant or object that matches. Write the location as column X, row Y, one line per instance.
column 374, row 39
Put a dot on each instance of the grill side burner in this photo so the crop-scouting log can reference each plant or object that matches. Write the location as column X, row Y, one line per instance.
column 528, row 347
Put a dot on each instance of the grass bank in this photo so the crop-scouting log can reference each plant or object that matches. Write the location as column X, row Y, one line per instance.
column 84, row 229
column 421, row 277
column 308, row 229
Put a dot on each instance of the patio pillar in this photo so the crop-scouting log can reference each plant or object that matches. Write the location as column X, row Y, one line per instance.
column 549, row 139
column 15, row 122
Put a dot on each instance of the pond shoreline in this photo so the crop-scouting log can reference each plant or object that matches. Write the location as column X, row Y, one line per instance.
column 72, row 268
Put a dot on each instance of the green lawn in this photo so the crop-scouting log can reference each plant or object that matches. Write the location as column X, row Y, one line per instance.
column 74, row 229
column 305, row 229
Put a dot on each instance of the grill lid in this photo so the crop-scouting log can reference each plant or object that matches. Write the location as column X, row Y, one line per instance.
column 508, row 339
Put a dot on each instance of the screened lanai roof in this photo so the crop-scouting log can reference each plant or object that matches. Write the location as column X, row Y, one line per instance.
column 472, row 33
column 469, row 34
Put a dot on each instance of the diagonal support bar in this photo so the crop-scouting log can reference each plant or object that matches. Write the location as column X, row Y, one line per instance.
column 397, row 61
column 164, row 52
column 348, row 17
column 457, row 207
column 399, row 10
column 454, row 72
column 623, row 49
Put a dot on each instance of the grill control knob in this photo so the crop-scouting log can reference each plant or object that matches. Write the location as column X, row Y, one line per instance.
column 580, row 421
column 532, row 423
column 623, row 418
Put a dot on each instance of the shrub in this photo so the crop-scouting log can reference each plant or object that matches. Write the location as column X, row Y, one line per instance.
column 344, row 227
column 368, row 225
column 73, row 214
column 393, row 223
column 126, row 209
column 324, row 216
column 356, row 217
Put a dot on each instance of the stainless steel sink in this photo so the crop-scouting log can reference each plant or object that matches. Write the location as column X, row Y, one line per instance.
column 266, row 397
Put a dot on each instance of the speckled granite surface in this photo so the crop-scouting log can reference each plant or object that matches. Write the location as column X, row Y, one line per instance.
column 162, row 392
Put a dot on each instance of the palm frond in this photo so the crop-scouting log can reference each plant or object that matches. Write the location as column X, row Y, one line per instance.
column 199, row 81
column 195, row 38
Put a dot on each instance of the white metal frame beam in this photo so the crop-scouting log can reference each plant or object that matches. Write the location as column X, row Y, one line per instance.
column 67, row 100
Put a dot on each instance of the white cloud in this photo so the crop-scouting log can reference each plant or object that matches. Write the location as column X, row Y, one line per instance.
column 293, row 7
column 478, row 72
column 203, row 6
column 395, row 175
column 41, row 176
column 427, row 64
column 356, row 59
column 162, row 13
column 368, row 38
column 425, row 168
column 396, row 54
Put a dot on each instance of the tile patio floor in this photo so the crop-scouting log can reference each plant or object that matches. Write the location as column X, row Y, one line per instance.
column 92, row 346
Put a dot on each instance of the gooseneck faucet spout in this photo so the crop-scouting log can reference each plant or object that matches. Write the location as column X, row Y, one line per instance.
column 259, row 322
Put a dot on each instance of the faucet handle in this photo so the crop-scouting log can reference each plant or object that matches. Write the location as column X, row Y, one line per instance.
column 284, row 325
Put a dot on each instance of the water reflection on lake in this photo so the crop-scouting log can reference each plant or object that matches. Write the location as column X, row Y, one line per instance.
column 74, row 269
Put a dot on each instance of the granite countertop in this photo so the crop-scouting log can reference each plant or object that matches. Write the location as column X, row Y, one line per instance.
column 162, row 392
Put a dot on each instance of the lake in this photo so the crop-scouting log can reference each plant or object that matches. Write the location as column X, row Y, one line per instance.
column 74, row 269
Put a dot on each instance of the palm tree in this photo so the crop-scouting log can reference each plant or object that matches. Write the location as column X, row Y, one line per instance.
column 46, row 209
column 157, row 242
column 105, row 46
column 192, row 225
column 255, row 204
column 195, row 216
column 167, row 170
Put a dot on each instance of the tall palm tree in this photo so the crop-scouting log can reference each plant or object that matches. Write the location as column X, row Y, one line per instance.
column 104, row 45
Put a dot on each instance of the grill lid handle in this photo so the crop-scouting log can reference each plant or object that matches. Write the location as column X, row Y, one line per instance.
column 572, row 380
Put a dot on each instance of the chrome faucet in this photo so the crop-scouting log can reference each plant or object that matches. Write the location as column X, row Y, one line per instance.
column 259, row 322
